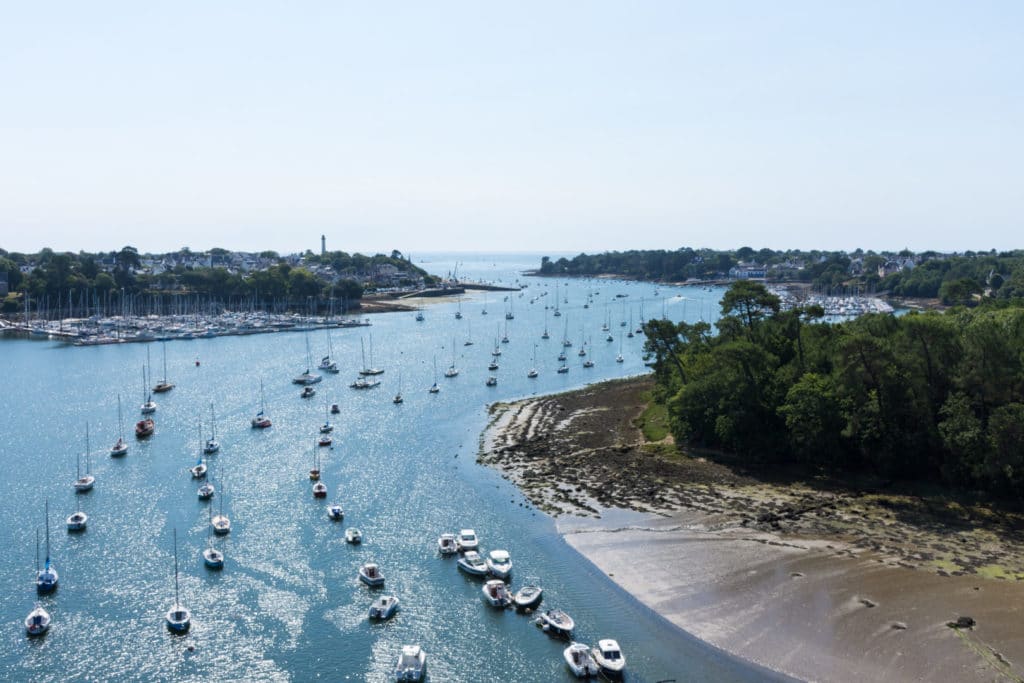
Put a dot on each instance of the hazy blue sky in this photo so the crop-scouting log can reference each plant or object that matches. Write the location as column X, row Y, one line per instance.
column 507, row 126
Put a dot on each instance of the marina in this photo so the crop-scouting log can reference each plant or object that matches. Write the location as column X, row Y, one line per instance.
column 286, row 602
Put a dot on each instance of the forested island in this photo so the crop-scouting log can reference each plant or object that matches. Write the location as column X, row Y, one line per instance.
column 86, row 282
column 953, row 278
column 934, row 396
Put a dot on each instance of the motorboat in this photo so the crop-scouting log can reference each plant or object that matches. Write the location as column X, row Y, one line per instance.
column 77, row 521
column 206, row 491
column 319, row 490
column 532, row 373
column 580, row 662
column 384, row 607
column 528, row 596
column 492, row 381
column 467, row 540
column 198, row 470
column 307, row 392
column 499, row 563
column 412, row 664
column 144, row 428
column 37, row 622
column 353, row 536
column 446, row 544
column 335, row 512
column 472, row 563
column 609, row 657
column 557, row 622
column 213, row 558
column 370, row 574
column 496, row 593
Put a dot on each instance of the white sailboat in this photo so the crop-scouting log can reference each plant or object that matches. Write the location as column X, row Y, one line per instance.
column 452, row 371
column 261, row 421
column 178, row 617
column 120, row 448
column 533, row 370
column 148, row 405
column 368, row 370
column 398, row 397
column 46, row 578
column 433, row 387
column 163, row 385
column 84, row 482
column 220, row 522
column 212, row 446
column 308, row 377
column 327, row 363
column 619, row 358
column 199, row 469
column 38, row 620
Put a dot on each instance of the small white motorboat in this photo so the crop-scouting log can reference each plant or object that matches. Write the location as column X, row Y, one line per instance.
column 557, row 622
column 213, row 558
column 412, row 664
column 370, row 574
column 580, row 662
column 205, row 492
column 77, row 521
column 467, row 540
column 609, row 657
column 335, row 512
column 499, row 563
column 354, row 536
column 384, row 607
column 528, row 596
column 472, row 563
column 496, row 593
column 37, row 622
column 446, row 544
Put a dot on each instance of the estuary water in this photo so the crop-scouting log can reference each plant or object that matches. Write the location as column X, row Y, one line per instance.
column 288, row 605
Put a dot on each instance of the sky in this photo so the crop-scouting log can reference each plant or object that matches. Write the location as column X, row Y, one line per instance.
column 577, row 126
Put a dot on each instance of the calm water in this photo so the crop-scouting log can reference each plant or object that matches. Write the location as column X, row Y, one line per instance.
column 287, row 605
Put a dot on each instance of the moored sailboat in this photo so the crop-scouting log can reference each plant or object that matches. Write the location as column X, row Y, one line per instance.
column 178, row 617
column 47, row 577
column 212, row 445
column 163, row 385
column 84, row 482
column 120, row 448
column 261, row 421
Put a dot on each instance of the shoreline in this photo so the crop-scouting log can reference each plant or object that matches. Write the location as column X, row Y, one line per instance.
column 811, row 583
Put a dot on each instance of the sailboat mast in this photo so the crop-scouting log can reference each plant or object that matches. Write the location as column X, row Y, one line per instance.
column 176, row 600
column 37, row 550
column 47, row 565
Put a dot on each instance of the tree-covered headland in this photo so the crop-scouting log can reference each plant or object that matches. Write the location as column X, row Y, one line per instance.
column 925, row 396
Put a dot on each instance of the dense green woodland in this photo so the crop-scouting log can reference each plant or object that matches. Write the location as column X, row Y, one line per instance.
column 932, row 396
column 953, row 278
column 56, row 275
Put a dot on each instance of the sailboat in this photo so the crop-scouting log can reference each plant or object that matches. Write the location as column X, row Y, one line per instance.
column 314, row 471
column 619, row 358
column 178, row 617
column 398, row 397
column 307, row 377
column 630, row 335
column 46, row 578
column 369, row 369
column 533, row 370
column 212, row 558
column 326, row 363
column 120, row 448
column 148, row 405
column 326, row 427
column 458, row 313
column 261, row 421
column 545, row 335
column 38, row 620
column 212, row 446
column 469, row 334
column 484, row 310
column 163, row 385
column 220, row 522
column 452, row 371
column 84, row 482
column 433, row 387
column 199, row 469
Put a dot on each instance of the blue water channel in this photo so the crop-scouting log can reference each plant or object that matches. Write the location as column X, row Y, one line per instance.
column 288, row 605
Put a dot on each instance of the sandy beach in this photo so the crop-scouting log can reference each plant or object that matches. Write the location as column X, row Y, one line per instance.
column 819, row 582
